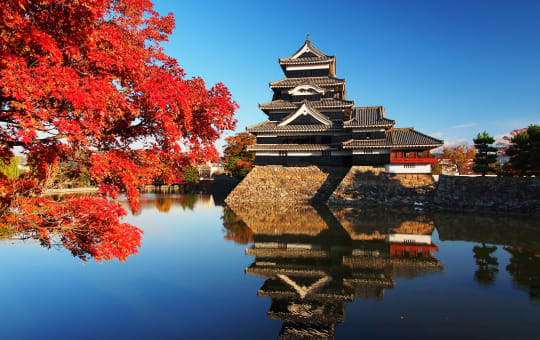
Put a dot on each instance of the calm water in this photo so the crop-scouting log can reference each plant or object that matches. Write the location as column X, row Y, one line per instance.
column 205, row 271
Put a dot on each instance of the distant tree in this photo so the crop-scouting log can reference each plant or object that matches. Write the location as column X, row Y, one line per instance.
column 524, row 150
column 238, row 168
column 486, row 154
column 436, row 169
column 461, row 156
column 487, row 265
column 237, row 147
column 237, row 159
column 191, row 175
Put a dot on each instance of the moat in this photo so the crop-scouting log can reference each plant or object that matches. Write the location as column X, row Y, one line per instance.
column 209, row 271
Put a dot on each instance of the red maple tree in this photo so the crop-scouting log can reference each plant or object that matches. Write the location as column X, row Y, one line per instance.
column 88, row 81
column 461, row 156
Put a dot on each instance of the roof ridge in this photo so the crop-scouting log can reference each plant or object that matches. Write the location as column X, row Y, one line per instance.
column 369, row 107
column 314, row 113
column 426, row 135
column 310, row 47
column 307, row 80
column 261, row 123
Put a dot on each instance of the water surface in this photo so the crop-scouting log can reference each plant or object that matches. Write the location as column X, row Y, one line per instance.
column 208, row 271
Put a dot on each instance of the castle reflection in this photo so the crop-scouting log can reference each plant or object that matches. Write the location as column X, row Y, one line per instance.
column 315, row 260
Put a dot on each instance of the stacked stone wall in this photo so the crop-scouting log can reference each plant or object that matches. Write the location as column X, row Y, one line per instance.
column 497, row 194
column 282, row 184
column 373, row 186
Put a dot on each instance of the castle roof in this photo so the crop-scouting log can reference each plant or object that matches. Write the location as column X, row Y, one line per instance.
column 324, row 103
column 371, row 116
column 396, row 138
column 273, row 126
column 286, row 83
column 290, row 147
column 307, row 54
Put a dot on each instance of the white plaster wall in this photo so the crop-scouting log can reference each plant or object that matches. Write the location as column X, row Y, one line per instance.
column 371, row 151
column 401, row 169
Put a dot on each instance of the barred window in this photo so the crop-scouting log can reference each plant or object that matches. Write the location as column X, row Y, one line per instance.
column 283, row 153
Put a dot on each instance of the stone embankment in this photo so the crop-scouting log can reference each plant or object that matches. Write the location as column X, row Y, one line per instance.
column 288, row 185
column 496, row 194
column 374, row 186
column 366, row 186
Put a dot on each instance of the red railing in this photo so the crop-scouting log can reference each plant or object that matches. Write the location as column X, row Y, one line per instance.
column 414, row 160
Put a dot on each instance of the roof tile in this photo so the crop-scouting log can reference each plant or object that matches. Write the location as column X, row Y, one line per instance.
column 372, row 116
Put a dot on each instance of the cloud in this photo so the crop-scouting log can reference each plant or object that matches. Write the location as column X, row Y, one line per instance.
column 455, row 142
column 463, row 125
column 499, row 139
column 437, row 134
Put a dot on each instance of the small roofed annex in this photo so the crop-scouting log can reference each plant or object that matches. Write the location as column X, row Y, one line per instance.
column 311, row 122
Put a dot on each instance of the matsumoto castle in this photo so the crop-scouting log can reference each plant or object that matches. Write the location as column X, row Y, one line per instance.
column 310, row 121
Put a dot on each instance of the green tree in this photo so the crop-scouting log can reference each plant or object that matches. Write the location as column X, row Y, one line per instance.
column 191, row 175
column 238, row 168
column 487, row 154
column 524, row 150
column 11, row 170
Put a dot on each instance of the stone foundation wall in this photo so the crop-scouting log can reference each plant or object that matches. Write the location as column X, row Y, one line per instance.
column 298, row 185
column 374, row 186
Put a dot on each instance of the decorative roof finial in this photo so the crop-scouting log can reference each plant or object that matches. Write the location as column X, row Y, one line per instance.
column 307, row 39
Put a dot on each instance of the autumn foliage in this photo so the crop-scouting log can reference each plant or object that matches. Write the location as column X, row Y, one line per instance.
column 461, row 156
column 237, row 159
column 88, row 82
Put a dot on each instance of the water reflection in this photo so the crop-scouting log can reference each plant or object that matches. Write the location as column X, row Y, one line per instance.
column 235, row 229
column 314, row 261
column 487, row 265
column 101, row 240
column 163, row 202
column 525, row 269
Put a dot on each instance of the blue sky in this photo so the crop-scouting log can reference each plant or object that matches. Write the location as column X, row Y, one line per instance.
column 449, row 68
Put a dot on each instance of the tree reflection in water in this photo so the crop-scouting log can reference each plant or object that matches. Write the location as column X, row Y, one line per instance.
column 91, row 234
column 314, row 261
column 487, row 265
column 235, row 229
column 98, row 236
column 525, row 269
column 164, row 202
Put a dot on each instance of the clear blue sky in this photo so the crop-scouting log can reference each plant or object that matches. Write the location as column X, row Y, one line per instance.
column 449, row 68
